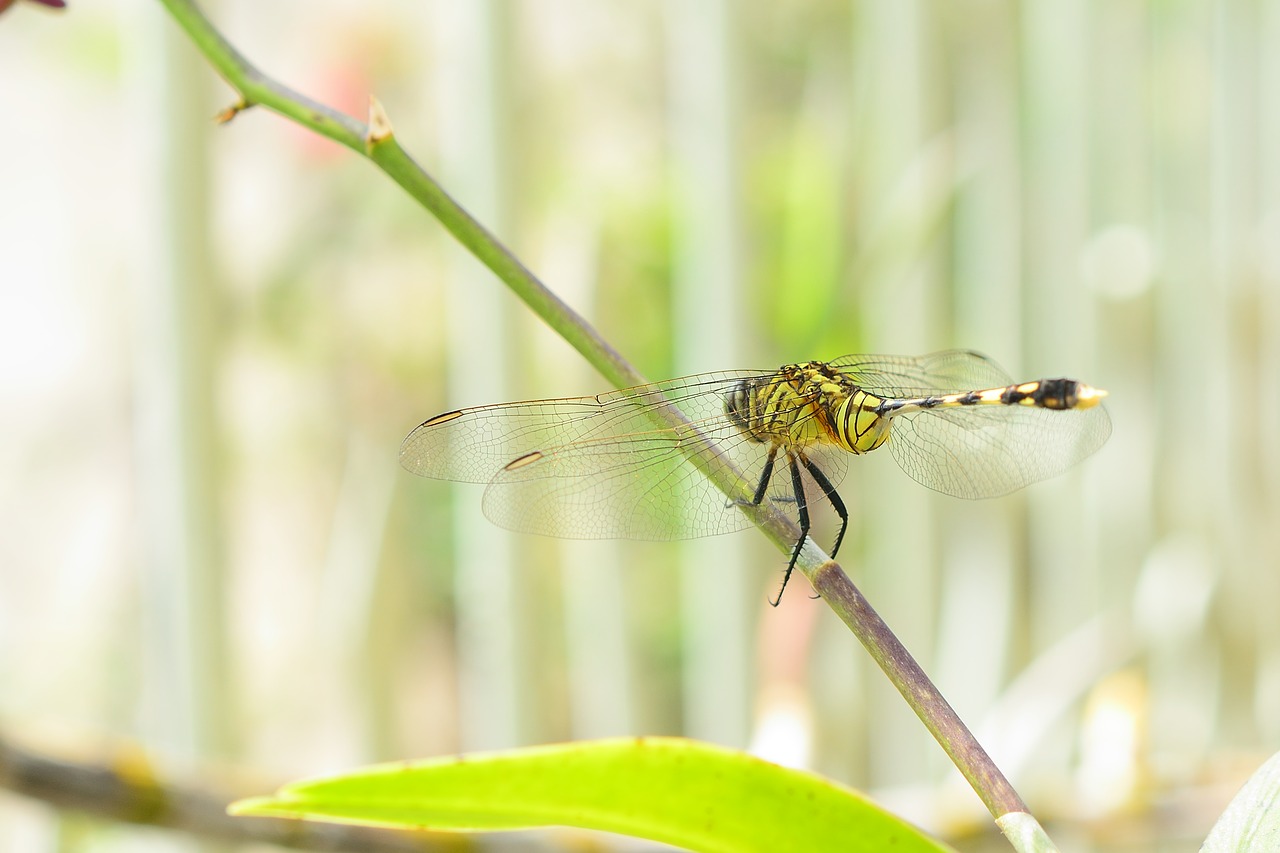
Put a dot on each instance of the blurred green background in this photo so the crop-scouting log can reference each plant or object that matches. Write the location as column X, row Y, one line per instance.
column 213, row 339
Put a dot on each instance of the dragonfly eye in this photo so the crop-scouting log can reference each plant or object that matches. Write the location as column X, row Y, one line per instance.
column 737, row 406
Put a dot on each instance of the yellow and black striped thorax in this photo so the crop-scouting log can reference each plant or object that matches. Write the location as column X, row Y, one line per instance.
column 810, row 403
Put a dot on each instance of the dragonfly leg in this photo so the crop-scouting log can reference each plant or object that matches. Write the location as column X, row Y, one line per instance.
column 829, row 491
column 763, row 486
column 802, row 506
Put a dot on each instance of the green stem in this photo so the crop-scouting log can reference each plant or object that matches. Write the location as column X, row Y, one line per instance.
column 571, row 326
column 256, row 89
column 380, row 146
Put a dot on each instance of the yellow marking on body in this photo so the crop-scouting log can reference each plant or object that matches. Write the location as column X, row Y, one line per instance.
column 522, row 461
column 441, row 419
column 992, row 395
column 1087, row 396
column 1027, row 389
column 856, row 425
column 794, row 408
column 872, row 429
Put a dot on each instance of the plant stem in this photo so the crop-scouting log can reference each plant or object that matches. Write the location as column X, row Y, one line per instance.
column 934, row 711
column 379, row 145
column 256, row 89
column 124, row 789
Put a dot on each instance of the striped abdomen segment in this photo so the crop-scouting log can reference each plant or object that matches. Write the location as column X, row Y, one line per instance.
column 1056, row 394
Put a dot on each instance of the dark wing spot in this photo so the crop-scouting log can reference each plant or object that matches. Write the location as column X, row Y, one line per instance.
column 521, row 461
column 440, row 419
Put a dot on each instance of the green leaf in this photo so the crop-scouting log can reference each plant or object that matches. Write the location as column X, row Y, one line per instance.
column 682, row 792
column 1251, row 823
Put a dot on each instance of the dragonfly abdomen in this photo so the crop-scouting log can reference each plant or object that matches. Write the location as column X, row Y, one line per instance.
column 1055, row 394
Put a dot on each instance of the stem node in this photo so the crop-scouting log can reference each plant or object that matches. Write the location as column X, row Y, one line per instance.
column 225, row 116
column 380, row 129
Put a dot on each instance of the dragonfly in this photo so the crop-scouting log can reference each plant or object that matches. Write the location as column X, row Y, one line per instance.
column 689, row 457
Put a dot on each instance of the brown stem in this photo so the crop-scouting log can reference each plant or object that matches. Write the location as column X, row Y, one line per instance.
column 934, row 711
column 127, row 792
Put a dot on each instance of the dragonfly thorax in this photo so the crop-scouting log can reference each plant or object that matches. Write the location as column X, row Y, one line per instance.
column 804, row 404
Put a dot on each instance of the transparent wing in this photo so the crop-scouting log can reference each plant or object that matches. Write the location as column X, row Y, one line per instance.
column 599, row 467
column 979, row 451
column 946, row 372
column 471, row 445
column 987, row 451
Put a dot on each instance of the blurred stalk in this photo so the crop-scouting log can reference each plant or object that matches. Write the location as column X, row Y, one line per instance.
column 184, row 709
column 1268, row 283
column 1234, row 365
column 979, row 563
column 1266, row 34
column 1065, row 573
column 183, row 599
column 1117, row 264
column 1186, row 691
column 899, row 306
column 597, row 648
column 473, row 45
column 709, row 281
column 352, row 613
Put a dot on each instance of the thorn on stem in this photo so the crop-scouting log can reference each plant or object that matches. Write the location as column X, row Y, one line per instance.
column 380, row 129
column 232, row 111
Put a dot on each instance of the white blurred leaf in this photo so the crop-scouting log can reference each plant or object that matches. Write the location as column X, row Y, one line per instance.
column 1251, row 823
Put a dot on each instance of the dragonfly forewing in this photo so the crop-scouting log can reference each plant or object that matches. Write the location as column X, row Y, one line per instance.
column 611, row 466
column 897, row 376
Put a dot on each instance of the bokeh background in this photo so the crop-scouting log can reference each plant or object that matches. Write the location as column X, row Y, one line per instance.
column 213, row 339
